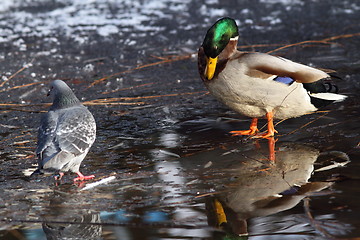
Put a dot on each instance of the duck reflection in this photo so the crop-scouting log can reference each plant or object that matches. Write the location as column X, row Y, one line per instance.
column 258, row 187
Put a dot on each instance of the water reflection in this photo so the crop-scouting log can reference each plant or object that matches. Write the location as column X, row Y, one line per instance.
column 174, row 190
column 81, row 227
column 248, row 186
column 67, row 217
column 233, row 188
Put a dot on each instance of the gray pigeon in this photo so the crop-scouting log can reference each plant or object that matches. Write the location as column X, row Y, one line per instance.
column 66, row 133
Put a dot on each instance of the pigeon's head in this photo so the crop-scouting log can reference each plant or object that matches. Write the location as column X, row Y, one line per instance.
column 63, row 96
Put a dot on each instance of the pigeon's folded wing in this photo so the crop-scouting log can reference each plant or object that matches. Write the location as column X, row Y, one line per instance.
column 76, row 130
column 46, row 133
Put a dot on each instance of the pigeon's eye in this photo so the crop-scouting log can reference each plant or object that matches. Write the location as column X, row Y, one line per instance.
column 50, row 90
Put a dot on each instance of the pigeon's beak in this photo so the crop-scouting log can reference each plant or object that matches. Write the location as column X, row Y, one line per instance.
column 49, row 92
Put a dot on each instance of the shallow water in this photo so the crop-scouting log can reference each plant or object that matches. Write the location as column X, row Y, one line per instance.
column 179, row 173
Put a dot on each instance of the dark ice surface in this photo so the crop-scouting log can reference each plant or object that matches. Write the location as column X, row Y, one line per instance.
column 179, row 174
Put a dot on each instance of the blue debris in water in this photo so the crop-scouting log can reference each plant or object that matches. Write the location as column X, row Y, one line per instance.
column 155, row 216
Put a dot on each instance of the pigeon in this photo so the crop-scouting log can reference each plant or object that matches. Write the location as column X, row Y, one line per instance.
column 66, row 133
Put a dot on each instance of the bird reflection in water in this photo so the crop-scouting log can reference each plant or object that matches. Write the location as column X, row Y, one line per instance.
column 80, row 227
column 255, row 190
column 69, row 218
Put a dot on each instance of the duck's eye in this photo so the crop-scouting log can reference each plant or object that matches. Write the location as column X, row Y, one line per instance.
column 224, row 39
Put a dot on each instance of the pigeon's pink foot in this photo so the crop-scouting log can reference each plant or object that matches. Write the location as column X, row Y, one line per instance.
column 82, row 177
column 58, row 177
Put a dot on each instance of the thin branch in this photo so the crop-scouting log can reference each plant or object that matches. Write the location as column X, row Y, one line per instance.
column 323, row 41
column 111, row 103
column 128, row 88
column 145, row 97
column 167, row 60
column 23, row 104
column 101, row 102
column 308, row 123
column 21, row 86
column 315, row 223
column 297, row 44
column 350, row 35
column 260, row 45
column 19, row 71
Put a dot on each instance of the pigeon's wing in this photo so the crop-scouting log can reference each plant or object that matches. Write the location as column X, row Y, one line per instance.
column 76, row 130
column 46, row 136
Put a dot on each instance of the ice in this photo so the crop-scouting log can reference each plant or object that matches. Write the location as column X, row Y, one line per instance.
column 107, row 30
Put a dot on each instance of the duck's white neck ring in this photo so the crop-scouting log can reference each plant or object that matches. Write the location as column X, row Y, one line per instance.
column 234, row 38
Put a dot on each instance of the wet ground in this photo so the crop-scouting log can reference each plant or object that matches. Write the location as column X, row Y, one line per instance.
column 178, row 172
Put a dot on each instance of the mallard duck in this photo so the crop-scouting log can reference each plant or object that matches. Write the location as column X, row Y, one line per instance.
column 260, row 85
column 66, row 133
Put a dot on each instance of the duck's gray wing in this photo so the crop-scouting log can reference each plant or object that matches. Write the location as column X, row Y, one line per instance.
column 279, row 66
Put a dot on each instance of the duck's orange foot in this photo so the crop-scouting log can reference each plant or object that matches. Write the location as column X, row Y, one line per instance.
column 252, row 131
column 82, row 177
column 266, row 135
column 244, row 132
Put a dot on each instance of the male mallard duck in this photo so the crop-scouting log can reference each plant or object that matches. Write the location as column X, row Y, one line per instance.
column 258, row 84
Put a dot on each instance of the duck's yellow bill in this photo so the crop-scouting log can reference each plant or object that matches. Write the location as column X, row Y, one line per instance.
column 210, row 67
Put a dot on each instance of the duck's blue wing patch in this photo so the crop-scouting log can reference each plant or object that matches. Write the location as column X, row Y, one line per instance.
column 285, row 80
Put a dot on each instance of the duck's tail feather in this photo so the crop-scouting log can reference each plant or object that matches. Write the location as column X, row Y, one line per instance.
column 320, row 100
column 324, row 85
column 334, row 97
column 324, row 92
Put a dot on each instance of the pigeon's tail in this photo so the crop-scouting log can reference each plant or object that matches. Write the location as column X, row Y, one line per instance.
column 43, row 172
column 59, row 161
column 36, row 172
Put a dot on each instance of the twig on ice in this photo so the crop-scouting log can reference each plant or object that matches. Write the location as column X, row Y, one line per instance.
column 314, row 222
column 94, row 184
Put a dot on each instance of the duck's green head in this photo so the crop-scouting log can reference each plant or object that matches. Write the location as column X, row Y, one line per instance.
column 216, row 39
column 218, row 36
